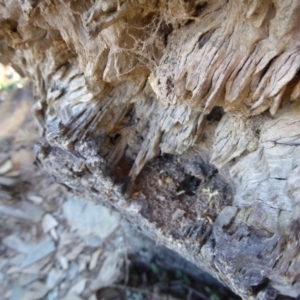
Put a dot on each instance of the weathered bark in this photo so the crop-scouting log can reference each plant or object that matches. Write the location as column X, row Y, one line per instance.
column 131, row 98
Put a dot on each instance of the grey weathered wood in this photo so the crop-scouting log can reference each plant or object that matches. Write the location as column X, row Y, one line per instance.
column 129, row 102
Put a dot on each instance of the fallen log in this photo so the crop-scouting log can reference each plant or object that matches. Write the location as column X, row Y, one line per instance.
column 182, row 115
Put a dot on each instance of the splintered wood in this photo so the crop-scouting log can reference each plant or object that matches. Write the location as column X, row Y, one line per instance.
column 136, row 100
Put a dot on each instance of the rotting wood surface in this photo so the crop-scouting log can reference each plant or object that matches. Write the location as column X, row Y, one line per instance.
column 184, row 116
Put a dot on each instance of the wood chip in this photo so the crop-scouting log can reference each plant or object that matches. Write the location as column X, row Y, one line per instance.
column 109, row 272
column 71, row 296
column 41, row 267
column 17, row 292
column 13, row 173
column 54, row 278
column 13, row 242
column 34, row 198
column 179, row 213
column 44, row 248
column 48, row 223
column 94, row 259
column 82, row 266
column 35, row 212
column 75, row 252
column 73, row 271
column 17, row 259
column 38, row 290
column 66, row 238
column 26, row 279
column 14, row 212
column 7, row 181
column 6, row 166
column 78, row 287
column 47, row 267
column 12, row 270
column 161, row 198
column 63, row 262
column 54, row 234
column 93, row 241
column 94, row 219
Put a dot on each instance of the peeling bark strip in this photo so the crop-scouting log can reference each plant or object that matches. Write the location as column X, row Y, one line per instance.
column 131, row 96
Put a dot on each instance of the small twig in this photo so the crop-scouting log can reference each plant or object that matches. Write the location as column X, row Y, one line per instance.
column 196, row 292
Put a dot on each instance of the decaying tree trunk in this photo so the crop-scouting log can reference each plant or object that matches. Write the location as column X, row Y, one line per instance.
column 182, row 115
